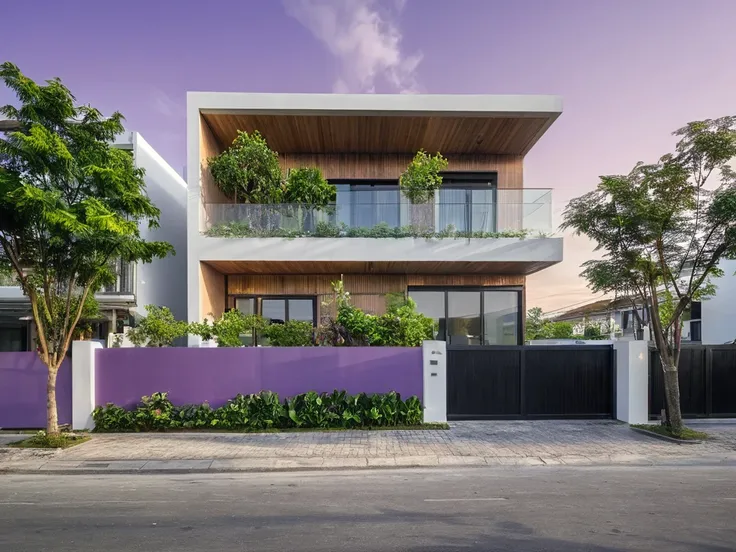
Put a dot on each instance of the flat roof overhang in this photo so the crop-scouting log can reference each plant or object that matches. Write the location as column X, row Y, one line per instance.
column 381, row 123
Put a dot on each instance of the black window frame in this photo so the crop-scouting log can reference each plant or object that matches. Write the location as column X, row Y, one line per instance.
column 480, row 289
column 232, row 300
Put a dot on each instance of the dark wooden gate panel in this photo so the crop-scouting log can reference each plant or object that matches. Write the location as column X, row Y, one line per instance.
column 530, row 381
column 707, row 376
column 484, row 382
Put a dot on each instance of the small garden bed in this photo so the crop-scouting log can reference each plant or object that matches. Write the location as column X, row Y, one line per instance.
column 43, row 440
column 686, row 435
column 266, row 412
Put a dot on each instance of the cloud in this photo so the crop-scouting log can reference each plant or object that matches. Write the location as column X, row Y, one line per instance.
column 166, row 105
column 364, row 36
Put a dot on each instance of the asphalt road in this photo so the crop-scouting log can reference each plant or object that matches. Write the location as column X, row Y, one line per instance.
column 550, row 509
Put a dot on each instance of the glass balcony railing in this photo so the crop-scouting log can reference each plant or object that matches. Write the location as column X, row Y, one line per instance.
column 385, row 213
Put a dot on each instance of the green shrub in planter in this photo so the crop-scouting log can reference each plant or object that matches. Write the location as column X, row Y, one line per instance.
column 293, row 333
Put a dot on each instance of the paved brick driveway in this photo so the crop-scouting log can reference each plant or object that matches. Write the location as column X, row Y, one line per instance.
column 500, row 439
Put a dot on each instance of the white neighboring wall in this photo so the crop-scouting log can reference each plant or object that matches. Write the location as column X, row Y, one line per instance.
column 164, row 281
column 718, row 314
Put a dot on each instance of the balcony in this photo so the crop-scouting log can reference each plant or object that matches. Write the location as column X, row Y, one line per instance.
column 384, row 213
column 124, row 283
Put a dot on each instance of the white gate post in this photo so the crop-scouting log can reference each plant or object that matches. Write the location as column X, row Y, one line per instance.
column 632, row 381
column 434, row 366
column 83, row 383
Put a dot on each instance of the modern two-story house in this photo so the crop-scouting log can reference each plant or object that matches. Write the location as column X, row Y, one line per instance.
column 459, row 270
column 161, row 283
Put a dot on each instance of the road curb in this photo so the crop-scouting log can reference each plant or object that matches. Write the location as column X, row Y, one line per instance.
column 175, row 467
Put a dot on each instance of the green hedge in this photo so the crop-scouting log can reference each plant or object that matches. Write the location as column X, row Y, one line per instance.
column 264, row 411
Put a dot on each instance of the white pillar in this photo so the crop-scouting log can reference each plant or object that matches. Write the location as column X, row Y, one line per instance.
column 632, row 381
column 83, row 383
column 434, row 363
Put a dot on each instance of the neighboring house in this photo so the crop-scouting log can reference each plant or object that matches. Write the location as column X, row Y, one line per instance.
column 162, row 282
column 473, row 287
column 718, row 313
column 608, row 314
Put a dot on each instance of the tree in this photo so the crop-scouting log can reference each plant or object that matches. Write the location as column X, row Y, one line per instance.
column 158, row 329
column 538, row 328
column 307, row 186
column 69, row 204
column 248, row 170
column 422, row 177
column 662, row 230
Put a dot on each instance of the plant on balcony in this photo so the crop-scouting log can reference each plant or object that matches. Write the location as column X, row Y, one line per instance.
column 158, row 329
column 306, row 186
column 422, row 177
column 69, row 202
column 248, row 171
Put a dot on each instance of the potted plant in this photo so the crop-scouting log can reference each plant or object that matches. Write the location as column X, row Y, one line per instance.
column 419, row 182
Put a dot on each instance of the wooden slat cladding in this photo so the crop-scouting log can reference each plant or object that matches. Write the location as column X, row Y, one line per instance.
column 211, row 291
column 488, row 269
column 465, row 280
column 357, row 284
column 510, row 168
column 208, row 147
column 313, row 285
column 384, row 134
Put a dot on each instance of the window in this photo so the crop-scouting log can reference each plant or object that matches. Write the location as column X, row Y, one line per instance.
column 276, row 310
column 366, row 204
column 467, row 202
column 13, row 338
column 484, row 316
column 500, row 318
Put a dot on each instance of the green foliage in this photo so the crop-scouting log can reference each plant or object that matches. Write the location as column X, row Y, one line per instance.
column 322, row 229
column 113, row 418
column 422, row 177
column 248, row 170
column 403, row 326
column 360, row 326
column 155, row 413
column 229, row 328
column 293, row 333
column 662, row 229
column 70, row 203
column 307, row 186
column 193, row 416
column 538, row 328
column 51, row 440
column 158, row 329
column 264, row 411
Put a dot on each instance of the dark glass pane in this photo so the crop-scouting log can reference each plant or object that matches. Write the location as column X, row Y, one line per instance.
column 463, row 317
column 274, row 310
column 376, row 204
column 245, row 305
column 432, row 305
column 301, row 309
column 500, row 318
column 695, row 310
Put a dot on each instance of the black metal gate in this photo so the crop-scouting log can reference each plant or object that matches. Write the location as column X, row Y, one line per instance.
column 707, row 376
column 531, row 381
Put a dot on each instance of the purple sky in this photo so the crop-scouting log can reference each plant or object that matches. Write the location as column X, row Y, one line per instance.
column 630, row 71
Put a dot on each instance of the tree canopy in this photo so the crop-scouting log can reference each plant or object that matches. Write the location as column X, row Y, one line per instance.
column 70, row 203
column 662, row 230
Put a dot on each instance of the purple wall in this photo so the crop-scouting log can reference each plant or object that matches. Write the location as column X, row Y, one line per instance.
column 23, row 391
column 215, row 375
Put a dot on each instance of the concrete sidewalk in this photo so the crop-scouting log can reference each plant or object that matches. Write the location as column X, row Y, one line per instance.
column 498, row 443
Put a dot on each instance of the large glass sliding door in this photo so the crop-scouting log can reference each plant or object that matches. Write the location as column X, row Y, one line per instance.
column 468, row 204
column 478, row 316
column 366, row 205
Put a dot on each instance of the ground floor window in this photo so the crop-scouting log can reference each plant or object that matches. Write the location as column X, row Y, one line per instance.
column 13, row 338
column 276, row 310
column 477, row 316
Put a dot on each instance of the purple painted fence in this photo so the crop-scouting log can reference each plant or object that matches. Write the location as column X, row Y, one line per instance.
column 23, row 391
column 192, row 376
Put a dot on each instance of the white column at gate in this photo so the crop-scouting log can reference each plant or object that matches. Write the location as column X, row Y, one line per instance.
column 434, row 366
column 83, row 383
column 632, row 381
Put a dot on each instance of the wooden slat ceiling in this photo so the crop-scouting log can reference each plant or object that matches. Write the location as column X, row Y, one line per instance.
column 384, row 134
column 380, row 267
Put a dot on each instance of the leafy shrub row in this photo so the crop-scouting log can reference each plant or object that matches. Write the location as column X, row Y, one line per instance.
column 330, row 230
column 264, row 410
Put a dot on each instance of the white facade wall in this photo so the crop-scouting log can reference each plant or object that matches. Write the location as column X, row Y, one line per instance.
column 163, row 282
column 719, row 312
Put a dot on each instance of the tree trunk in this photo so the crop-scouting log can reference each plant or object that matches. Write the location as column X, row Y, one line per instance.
column 672, row 396
column 52, row 416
